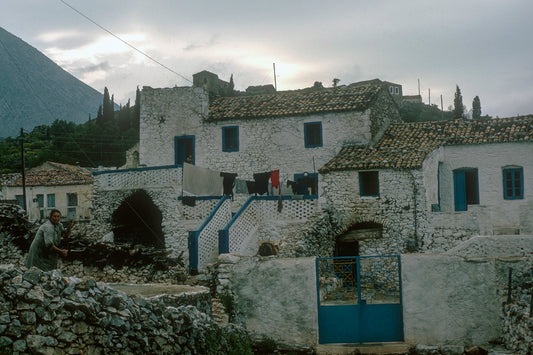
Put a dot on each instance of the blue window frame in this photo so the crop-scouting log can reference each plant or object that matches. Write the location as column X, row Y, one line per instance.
column 313, row 134
column 369, row 183
column 230, row 139
column 513, row 183
column 183, row 150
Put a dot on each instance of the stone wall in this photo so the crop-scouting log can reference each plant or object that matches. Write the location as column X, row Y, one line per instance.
column 45, row 313
column 398, row 208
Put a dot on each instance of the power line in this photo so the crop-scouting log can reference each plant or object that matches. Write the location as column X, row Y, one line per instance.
column 125, row 42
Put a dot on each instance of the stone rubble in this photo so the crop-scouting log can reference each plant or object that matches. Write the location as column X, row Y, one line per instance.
column 46, row 312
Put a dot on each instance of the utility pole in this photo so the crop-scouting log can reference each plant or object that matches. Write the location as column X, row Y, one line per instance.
column 418, row 87
column 429, row 96
column 25, row 204
column 441, row 108
column 275, row 81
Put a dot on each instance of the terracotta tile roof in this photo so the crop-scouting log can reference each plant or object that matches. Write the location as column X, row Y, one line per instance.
column 406, row 145
column 294, row 103
column 51, row 174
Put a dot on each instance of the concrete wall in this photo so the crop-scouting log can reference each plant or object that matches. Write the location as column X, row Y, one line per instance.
column 274, row 297
column 447, row 299
column 450, row 300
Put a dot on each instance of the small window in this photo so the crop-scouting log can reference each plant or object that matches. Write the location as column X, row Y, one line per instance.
column 391, row 89
column 20, row 200
column 369, row 183
column 72, row 202
column 51, row 200
column 313, row 134
column 513, row 183
column 230, row 139
column 397, row 90
column 40, row 203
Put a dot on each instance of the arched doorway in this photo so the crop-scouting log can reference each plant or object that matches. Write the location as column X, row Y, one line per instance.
column 138, row 221
column 347, row 244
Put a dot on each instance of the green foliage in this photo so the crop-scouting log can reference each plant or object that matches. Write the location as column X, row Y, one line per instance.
column 93, row 143
column 418, row 112
column 458, row 109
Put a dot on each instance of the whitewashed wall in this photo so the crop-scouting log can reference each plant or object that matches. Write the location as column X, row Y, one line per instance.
column 490, row 159
column 166, row 113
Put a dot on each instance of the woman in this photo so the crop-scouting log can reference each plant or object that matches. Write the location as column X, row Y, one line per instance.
column 44, row 249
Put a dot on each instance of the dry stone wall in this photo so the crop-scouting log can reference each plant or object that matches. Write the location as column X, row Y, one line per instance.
column 45, row 312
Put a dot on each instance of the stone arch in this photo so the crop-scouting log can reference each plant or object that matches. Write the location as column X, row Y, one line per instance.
column 137, row 220
column 347, row 242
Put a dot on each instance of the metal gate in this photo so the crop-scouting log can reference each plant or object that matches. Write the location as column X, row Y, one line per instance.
column 359, row 299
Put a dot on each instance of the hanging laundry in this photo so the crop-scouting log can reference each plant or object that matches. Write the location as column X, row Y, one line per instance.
column 251, row 187
column 240, row 187
column 227, row 183
column 274, row 180
column 261, row 182
column 200, row 181
column 293, row 185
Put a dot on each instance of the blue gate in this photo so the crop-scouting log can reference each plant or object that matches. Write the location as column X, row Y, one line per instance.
column 359, row 299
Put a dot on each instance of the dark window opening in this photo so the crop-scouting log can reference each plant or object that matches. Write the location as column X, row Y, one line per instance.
column 306, row 184
column 369, row 183
column 184, row 150
column 138, row 221
column 471, row 188
column 313, row 134
column 230, row 139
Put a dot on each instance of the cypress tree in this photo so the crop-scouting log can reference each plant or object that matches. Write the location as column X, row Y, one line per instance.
column 476, row 108
column 458, row 109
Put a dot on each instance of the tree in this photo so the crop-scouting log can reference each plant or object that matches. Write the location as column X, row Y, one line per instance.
column 458, row 109
column 476, row 108
column 108, row 109
column 336, row 82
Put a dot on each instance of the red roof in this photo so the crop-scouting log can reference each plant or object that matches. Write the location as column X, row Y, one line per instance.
column 295, row 103
column 51, row 174
column 406, row 145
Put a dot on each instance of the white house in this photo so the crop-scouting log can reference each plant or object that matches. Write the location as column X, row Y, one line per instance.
column 51, row 185
column 427, row 186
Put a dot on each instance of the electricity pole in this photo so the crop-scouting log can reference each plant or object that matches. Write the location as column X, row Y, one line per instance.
column 25, row 204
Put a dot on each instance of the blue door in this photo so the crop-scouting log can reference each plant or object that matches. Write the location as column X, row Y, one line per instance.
column 359, row 299
column 465, row 188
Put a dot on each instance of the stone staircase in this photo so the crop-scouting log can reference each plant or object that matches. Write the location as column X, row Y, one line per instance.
column 218, row 312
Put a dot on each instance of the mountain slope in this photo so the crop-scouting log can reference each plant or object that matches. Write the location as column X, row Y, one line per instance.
column 36, row 91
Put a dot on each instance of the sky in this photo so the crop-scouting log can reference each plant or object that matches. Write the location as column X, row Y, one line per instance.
column 483, row 46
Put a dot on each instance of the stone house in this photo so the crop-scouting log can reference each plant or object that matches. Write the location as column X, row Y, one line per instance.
column 50, row 185
column 427, row 186
column 293, row 133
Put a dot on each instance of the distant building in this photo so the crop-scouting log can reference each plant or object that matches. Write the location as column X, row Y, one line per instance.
column 67, row 188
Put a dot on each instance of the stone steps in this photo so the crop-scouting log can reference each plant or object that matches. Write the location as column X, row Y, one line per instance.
column 218, row 312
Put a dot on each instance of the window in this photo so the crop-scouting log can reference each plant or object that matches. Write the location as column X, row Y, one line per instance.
column 184, row 150
column 51, row 200
column 313, row 134
column 466, row 188
column 513, row 183
column 397, row 90
column 72, row 201
column 40, row 203
column 20, row 200
column 230, row 139
column 391, row 89
column 369, row 183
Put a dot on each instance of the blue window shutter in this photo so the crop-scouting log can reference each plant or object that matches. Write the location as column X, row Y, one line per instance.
column 183, row 147
column 459, row 188
column 513, row 183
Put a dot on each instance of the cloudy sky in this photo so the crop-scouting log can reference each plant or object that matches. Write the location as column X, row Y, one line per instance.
column 484, row 46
